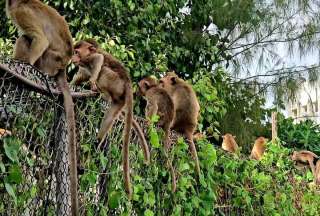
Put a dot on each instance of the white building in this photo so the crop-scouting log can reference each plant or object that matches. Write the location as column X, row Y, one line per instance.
column 306, row 104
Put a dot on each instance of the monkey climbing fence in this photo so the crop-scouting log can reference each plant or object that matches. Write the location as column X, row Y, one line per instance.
column 31, row 109
column 36, row 180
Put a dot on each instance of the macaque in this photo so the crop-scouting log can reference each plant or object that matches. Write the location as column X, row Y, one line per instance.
column 229, row 143
column 317, row 173
column 109, row 77
column 46, row 43
column 4, row 133
column 159, row 103
column 186, row 109
column 258, row 148
column 305, row 157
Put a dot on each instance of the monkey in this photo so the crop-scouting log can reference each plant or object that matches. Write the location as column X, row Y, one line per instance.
column 229, row 143
column 258, row 148
column 186, row 109
column 46, row 43
column 317, row 173
column 305, row 157
column 159, row 103
column 108, row 76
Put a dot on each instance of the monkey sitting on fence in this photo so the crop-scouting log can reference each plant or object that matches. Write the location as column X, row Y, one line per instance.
column 159, row 103
column 109, row 77
column 186, row 109
column 229, row 144
column 259, row 148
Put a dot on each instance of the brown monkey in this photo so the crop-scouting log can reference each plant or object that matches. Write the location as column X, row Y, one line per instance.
column 229, row 143
column 110, row 78
column 46, row 43
column 258, row 148
column 305, row 157
column 186, row 108
column 317, row 173
column 159, row 103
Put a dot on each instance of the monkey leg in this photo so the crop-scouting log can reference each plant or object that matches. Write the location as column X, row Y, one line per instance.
column 193, row 150
column 38, row 45
column 50, row 62
column 22, row 49
column 313, row 169
column 107, row 121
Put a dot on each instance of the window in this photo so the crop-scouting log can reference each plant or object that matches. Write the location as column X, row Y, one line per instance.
column 305, row 109
column 315, row 106
column 295, row 113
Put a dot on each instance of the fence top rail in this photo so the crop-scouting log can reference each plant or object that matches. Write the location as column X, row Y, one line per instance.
column 35, row 79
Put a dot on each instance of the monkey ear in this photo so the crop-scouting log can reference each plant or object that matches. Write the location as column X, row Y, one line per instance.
column 173, row 80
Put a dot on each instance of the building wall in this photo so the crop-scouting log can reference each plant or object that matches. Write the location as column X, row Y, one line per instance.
column 306, row 105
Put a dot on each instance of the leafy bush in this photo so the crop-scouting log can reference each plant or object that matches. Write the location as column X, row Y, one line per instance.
column 302, row 135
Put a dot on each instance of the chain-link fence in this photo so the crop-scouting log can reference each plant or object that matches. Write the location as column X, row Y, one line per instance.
column 31, row 109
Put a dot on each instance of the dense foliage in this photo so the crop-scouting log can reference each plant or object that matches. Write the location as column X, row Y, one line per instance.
column 270, row 187
column 303, row 135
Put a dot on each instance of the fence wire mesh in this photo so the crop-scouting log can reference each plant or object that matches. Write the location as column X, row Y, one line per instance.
column 31, row 109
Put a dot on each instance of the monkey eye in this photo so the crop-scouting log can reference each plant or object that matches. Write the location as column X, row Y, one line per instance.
column 76, row 52
column 161, row 81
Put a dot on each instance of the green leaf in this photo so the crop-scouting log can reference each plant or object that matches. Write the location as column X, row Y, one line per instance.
column 11, row 147
column 114, row 199
column 2, row 167
column 11, row 192
column 148, row 212
column 103, row 160
column 15, row 174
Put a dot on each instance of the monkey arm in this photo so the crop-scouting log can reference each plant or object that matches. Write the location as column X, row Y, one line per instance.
column 81, row 76
column 151, row 109
column 97, row 63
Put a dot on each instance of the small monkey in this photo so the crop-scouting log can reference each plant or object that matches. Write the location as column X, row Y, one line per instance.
column 317, row 173
column 107, row 75
column 258, row 148
column 46, row 43
column 229, row 143
column 159, row 103
column 305, row 157
column 186, row 109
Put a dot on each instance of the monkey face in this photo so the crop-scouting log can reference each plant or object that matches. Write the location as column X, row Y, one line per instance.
column 82, row 50
column 147, row 83
column 143, row 87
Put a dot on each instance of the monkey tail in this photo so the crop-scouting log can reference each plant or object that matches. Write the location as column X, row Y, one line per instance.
column 72, row 146
column 126, row 138
column 143, row 142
